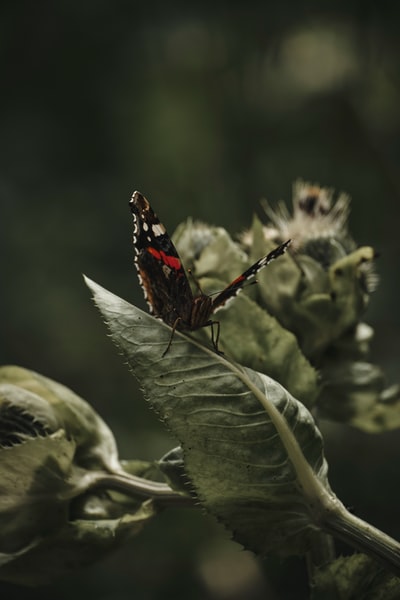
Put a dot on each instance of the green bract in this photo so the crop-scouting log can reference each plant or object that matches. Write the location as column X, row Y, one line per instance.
column 357, row 577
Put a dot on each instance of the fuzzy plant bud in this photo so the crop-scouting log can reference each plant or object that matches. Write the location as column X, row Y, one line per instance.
column 53, row 446
column 305, row 316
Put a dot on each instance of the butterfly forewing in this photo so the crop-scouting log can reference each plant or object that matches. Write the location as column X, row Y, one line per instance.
column 160, row 270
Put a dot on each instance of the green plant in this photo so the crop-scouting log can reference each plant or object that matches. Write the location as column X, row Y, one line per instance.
column 295, row 349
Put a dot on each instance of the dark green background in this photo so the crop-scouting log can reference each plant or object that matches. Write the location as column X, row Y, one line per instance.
column 205, row 109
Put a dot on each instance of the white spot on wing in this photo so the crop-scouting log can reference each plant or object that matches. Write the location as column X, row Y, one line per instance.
column 158, row 229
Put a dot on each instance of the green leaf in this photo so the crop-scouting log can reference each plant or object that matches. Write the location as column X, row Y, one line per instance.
column 354, row 392
column 236, row 454
column 355, row 577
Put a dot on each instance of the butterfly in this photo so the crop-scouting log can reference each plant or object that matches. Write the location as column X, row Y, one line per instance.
column 164, row 281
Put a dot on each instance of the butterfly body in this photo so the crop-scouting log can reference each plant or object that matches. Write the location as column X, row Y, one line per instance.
column 164, row 281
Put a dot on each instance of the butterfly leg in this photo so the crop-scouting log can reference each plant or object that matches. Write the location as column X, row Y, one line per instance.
column 215, row 337
column 175, row 325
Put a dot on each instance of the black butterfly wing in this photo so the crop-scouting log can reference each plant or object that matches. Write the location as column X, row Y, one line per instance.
column 161, row 274
column 237, row 284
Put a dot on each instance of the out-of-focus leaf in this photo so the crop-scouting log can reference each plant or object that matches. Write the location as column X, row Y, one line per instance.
column 210, row 251
column 355, row 393
column 355, row 577
column 76, row 545
column 233, row 454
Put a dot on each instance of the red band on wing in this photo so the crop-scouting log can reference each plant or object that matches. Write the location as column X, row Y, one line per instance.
column 237, row 280
column 170, row 261
column 154, row 252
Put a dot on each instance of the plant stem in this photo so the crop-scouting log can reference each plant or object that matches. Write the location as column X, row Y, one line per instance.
column 363, row 536
column 321, row 553
column 130, row 485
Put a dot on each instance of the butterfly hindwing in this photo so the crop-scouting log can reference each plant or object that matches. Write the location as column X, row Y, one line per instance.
column 237, row 284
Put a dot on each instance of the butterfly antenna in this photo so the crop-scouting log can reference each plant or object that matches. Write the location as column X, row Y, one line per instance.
column 196, row 281
column 247, row 284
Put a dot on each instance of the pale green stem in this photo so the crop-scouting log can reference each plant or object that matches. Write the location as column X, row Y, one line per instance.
column 130, row 485
column 363, row 536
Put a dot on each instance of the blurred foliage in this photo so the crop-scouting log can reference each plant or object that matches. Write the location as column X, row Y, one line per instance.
column 205, row 109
